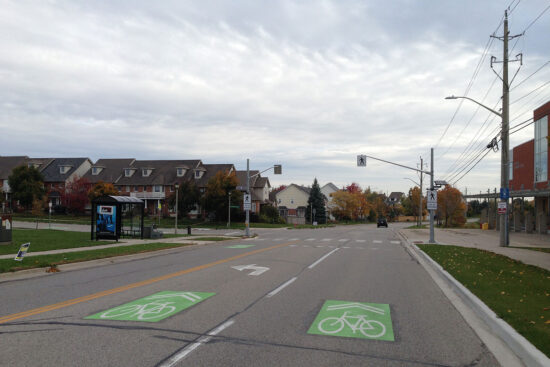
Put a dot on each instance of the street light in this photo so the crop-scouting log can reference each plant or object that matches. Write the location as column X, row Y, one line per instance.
column 176, row 226
column 277, row 169
column 504, row 168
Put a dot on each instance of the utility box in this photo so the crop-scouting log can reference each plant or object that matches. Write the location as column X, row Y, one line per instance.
column 6, row 229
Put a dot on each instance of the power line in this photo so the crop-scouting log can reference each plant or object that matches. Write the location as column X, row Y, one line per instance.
column 534, row 90
column 539, row 69
column 537, row 18
column 521, row 128
column 465, row 173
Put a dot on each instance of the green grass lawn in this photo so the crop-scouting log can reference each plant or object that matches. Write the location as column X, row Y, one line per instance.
column 30, row 262
column 48, row 239
column 516, row 292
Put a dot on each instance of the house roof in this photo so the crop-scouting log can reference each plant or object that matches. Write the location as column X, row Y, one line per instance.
column 396, row 196
column 211, row 170
column 7, row 164
column 163, row 172
column 112, row 170
column 331, row 186
column 52, row 173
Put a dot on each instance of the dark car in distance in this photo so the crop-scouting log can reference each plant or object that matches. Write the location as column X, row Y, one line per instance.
column 382, row 223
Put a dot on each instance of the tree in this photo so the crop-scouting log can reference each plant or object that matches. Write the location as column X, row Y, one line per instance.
column 74, row 196
column 353, row 188
column 343, row 205
column 188, row 197
column 101, row 189
column 316, row 203
column 411, row 203
column 27, row 184
column 451, row 207
column 215, row 199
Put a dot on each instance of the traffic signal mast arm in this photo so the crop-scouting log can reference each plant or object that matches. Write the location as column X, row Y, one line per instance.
column 400, row 165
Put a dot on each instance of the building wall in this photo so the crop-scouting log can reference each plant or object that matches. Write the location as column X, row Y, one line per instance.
column 523, row 167
column 538, row 114
column 292, row 197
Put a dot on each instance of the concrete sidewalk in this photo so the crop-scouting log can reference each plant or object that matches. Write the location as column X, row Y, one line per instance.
column 488, row 240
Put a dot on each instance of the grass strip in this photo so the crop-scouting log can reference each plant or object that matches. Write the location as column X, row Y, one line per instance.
column 7, row 265
column 516, row 292
column 214, row 239
column 48, row 239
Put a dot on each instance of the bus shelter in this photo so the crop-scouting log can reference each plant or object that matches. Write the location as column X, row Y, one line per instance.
column 114, row 217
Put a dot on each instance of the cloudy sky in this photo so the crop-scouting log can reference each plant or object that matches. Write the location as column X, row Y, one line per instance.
column 307, row 84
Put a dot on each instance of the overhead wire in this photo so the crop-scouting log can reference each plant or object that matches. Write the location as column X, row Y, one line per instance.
column 537, row 18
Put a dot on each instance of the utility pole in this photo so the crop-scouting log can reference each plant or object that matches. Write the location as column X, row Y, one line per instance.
column 420, row 204
column 229, row 211
column 432, row 236
column 504, row 136
column 247, row 221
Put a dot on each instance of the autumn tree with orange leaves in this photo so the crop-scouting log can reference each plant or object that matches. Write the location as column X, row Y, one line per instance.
column 451, row 207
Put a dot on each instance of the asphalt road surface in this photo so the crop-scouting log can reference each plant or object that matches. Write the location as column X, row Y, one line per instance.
column 344, row 296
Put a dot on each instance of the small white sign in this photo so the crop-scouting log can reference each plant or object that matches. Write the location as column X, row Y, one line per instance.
column 432, row 199
column 501, row 207
column 247, row 201
column 361, row 160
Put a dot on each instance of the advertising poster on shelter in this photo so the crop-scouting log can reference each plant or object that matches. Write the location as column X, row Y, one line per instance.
column 106, row 219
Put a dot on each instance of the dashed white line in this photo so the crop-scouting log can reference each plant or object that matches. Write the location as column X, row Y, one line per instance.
column 292, row 245
column 310, row 239
column 396, row 242
column 281, row 287
column 376, row 241
column 202, row 340
column 294, row 239
column 326, row 239
column 361, row 241
column 343, row 240
column 322, row 258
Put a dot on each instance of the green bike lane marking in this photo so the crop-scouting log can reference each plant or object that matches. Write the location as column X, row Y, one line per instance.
column 239, row 246
column 153, row 308
column 354, row 320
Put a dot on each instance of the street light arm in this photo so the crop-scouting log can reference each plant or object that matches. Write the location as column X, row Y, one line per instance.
column 476, row 102
column 400, row 165
column 259, row 173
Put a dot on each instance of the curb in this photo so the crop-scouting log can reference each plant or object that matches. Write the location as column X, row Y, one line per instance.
column 520, row 346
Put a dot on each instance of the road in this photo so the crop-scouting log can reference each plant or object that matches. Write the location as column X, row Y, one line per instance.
column 256, row 302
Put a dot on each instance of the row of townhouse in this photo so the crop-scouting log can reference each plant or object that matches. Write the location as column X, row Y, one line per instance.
column 153, row 181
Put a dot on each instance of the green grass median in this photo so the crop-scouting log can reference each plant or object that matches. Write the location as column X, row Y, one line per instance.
column 516, row 292
column 48, row 239
column 29, row 262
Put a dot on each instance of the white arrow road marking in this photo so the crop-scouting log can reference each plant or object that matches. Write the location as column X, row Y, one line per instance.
column 257, row 269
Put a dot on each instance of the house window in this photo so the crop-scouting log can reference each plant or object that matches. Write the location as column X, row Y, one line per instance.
column 171, row 188
column 197, row 174
column 146, row 172
column 158, row 188
column 128, row 172
column 135, row 189
column 64, row 169
column 292, row 201
column 127, row 188
column 180, row 172
column 95, row 171
column 541, row 149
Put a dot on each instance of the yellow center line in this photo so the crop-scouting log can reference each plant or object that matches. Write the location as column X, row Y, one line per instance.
column 89, row 297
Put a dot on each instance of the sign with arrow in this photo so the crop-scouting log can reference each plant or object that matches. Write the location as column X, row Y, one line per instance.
column 257, row 270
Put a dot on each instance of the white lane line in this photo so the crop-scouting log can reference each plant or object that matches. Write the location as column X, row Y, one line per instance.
column 278, row 239
column 232, row 233
column 307, row 246
column 396, row 242
column 319, row 246
column 294, row 239
column 343, row 240
column 322, row 258
column 280, row 288
column 326, row 239
column 191, row 347
column 292, row 245
column 376, row 241
column 361, row 241
column 260, row 239
column 310, row 239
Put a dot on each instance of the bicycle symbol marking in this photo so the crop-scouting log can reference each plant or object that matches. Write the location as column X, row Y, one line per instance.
column 146, row 311
column 154, row 307
column 360, row 320
column 369, row 328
